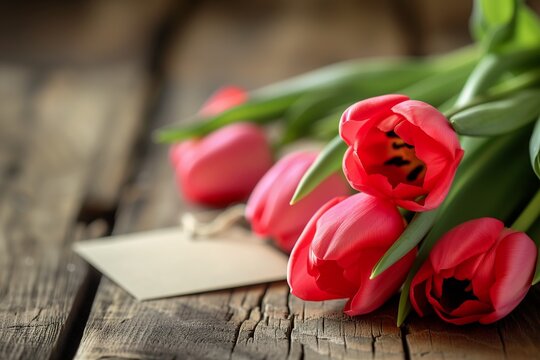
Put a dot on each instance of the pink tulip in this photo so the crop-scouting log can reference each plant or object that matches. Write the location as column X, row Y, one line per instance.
column 223, row 167
column 268, row 209
column 336, row 252
column 478, row 271
column 400, row 149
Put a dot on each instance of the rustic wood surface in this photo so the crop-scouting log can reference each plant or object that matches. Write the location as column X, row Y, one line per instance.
column 76, row 161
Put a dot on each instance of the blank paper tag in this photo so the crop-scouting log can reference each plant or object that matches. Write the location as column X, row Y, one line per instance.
column 167, row 262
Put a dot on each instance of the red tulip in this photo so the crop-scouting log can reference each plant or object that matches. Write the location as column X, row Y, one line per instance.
column 478, row 271
column 268, row 209
column 400, row 149
column 336, row 252
column 223, row 167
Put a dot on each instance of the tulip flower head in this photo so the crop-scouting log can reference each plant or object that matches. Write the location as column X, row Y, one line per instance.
column 340, row 245
column 400, row 149
column 477, row 272
column 269, row 210
column 223, row 167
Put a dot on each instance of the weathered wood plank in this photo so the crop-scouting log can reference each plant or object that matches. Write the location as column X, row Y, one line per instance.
column 39, row 205
column 111, row 166
column 431, row 338
column 54, row 128
column 222, row 45
column 15, row 84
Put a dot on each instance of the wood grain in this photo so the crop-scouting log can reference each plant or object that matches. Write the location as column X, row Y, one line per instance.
column 53, row 124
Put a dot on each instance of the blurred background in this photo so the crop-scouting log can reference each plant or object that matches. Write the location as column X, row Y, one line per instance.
column 92, row 78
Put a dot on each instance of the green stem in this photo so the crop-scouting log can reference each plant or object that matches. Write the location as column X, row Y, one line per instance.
column 516, row 83
column 488, row 71
column 529, row 215
column 482, row 76
column 499, row 91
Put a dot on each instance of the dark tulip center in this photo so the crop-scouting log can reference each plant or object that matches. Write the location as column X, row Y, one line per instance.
column 455, row 292
column 386, row 153
column 402, row 165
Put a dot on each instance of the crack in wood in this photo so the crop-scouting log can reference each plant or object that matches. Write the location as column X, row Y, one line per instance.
column 403, row 334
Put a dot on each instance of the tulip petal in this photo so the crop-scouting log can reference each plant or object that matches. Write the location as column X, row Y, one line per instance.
column 514, row 267
column 417, row 293
column 302, row 284
column 373, row 293
column 465, row 241
column 355, row 116
column 481, row 271
column 359, row 179
column 471, row 308
column 357, row 223
column 431, row 121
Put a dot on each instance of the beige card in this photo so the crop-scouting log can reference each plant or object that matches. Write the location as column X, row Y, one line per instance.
column 167, row 262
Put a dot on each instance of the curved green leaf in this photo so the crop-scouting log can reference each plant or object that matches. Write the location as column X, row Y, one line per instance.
column 305, row 113
column 328, row 162
column 413, row 234
column 499, row 116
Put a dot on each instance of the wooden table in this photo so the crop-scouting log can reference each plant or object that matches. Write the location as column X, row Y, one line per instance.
column 82, row 86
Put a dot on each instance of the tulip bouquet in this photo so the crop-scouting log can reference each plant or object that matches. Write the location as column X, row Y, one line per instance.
column 443, row 153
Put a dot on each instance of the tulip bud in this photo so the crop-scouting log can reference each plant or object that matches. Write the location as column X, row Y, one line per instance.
column 478, row 271
column 268, row 209
column 400, row 149
column 223, row 167
column 337, row 250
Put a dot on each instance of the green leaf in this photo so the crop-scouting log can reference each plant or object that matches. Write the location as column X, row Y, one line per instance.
column 328, row 127
column 481, row 188
column 360, row 78
column 534, row 148
column 327, row 163
column 254, row 110
column 499, row 116
column 302, row 116
column 528, row 215
column 438, row 88
column 413, row 234
column 490, row 69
